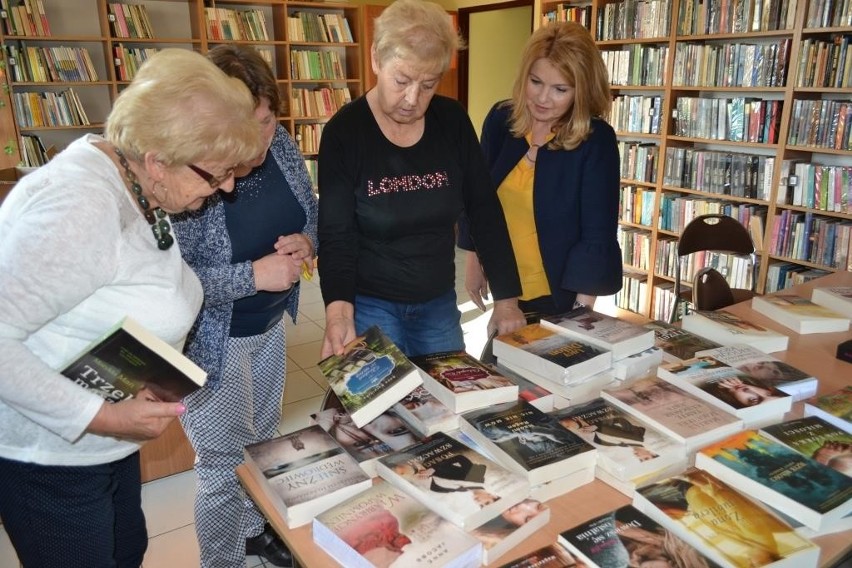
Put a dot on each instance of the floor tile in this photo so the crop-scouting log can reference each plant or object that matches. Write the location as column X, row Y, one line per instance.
column 299, row 386
column 172, row 549
column 305, row 355
column 169, row 502
column 314, row 311
column 8, row 557
column 305, row 332
column 318, row 377
column 297, row 415
column 310, row 294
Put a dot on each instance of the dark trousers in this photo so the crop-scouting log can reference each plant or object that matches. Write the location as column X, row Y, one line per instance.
column 74, row 516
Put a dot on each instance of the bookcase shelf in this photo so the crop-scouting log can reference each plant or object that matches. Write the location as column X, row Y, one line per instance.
column 763, row 143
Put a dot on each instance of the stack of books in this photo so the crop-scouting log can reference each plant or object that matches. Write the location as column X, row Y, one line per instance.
column 729, row 329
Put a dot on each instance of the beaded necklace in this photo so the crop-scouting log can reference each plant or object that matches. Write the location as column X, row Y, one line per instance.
column 156, row 218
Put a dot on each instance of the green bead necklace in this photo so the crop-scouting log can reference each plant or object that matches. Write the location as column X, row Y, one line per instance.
column 156, row 218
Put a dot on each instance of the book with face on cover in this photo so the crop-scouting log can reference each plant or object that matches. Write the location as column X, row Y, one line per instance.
column 620, row 337
column 834, row 407
column 553, row 556
column 425, row 413
column 817, row 439
column 384, row 527
column 835, row 298
column 371, row 375
column 799, row 314
column 723, row 523
column 510, row 528
column 676, row 343
column 729, row 329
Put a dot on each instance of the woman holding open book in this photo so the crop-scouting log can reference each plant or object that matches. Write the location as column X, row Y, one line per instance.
column 86, row 241
column 555, row 165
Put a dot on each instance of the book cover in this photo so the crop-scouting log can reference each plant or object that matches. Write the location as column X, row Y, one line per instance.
column 371, row 375
column 129, row 358
column 462, row 382
column 837, row 298
column 627, row 448
column 425, row 413
column 620, row 337
column 678, row 344
column 767, row 470
column 817, row 439
column 579, row 391
column 722, row 523
column 510, row 528
column 550, row 354
column 553, row 556
column 453, row 480
column 306, row 472
column 528, row 441
column 799, row 314
column 529, row 391
column 626, row 537
column 384, row 527
column 729, row 329
column 834, row 407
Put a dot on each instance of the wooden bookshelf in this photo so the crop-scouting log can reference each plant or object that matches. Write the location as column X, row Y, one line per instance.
column 664, row 77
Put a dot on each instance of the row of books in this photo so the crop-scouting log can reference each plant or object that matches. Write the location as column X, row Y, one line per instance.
column 230, row 24
column 639, row 160
column 568, row 13
column 828, row 13
column 37, row 109
column 665, row 301
column 129, row 21
column 24, row 18
column 805, row 236
column 736, row 119
column 635, row 247
column 319, row 102
column 677, row 210
column 308, row 137
column 735, row 16
column 636, row 65
column 731, row 64
column 825, row 63
column 321, row 28
column 637, row 205
column 783, row 275
column 636, row 113
column 128, row 60
column 822, row 124
column 312, row 166
column 634, row 19
column 816, row 186
column 725, row 173
column 312, row 64
column 633, row 295
column 50, row 64
column 33, row 152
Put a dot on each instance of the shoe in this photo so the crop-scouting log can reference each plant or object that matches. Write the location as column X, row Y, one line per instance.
column 269, row 546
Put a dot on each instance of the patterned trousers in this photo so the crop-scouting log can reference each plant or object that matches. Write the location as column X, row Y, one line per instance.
column 243, row 409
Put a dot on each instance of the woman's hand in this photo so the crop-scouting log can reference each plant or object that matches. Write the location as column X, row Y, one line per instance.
column 277, row 272
column 339, row 328
column 507, row 317
column 475, row 281
column 140, row 418
column 300, row 247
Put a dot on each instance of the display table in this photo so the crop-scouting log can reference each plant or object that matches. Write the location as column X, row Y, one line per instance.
column 813, row 353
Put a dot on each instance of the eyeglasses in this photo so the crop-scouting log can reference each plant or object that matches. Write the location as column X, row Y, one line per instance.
column 215, row 182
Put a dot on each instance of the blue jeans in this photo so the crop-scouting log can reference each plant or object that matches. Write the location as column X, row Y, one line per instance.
column 417, row 329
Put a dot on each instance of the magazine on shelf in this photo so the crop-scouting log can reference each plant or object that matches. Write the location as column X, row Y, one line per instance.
column 620, row 337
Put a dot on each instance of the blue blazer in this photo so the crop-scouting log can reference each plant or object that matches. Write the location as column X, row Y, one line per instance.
column 575, row 203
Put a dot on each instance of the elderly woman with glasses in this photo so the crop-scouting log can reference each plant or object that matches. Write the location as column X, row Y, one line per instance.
column 85, row 241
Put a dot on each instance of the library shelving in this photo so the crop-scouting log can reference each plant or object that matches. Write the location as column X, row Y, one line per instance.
column 741, row 107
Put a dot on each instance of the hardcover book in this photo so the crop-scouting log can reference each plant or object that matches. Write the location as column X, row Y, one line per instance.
column 129, row 358
column 371, row 375
column 676, row 343
column 620, row 337
column 305, row 473
column 799, row 314
column 579, row 391
column 425, row 413
column 462, row 383
column 453, row 480
column 549, row 354
column 834, row 407
column 724, row 524
column 837, row 299
column 510, row 528
column 800, row 487
column 553, row 556
column 384, row 527
column 528, row 441
column 729, row 329
column 817, row 439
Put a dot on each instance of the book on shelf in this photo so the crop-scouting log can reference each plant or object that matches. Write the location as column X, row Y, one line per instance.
column 810, row 492
column 510, row 528
column 579, row 391
column 799, row 314
column 729, row 329
column 305, row 472
column 836, row 298
column 628, row 537
column 454, row 480
column 834, row 407
column 756, row 363
column 620, row 337
column 370, row 376
column 528, row 441
column 425, row 413
column 128, row 358
column 677, row 343
column 559, row 358
column 462, row 382
column 551, row 556
column 626, row 447
column 817, row 439
column 723, row 523
column 386, row 527
column 531, row 392
column 684, row 417
column 637, row 365
column 754, row 400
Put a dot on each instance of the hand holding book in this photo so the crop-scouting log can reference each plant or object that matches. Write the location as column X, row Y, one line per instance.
column 138, row 419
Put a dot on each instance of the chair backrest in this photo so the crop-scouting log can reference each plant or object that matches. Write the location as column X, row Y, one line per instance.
column 716, row 233
column 710, row 290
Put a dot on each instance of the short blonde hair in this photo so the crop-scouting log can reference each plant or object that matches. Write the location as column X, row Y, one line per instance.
column 416, row 31
column 185, row 109
column 570, row 49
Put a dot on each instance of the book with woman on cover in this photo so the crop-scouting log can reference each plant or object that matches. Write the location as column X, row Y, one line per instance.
column 453, row 480
column 528, row 441
column 370, row 376
column 677, row 343
column 510, row 528
column 620, row 337
column 722, row 523
column 834, row 407
column 799, row 314
column 729, row 329
column 817, row 439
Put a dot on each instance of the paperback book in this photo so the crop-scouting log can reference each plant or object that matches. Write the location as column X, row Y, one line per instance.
column 562, row 485
column 305, row 473
column 425, row 413
column 531, row 392
column 370, row 376
column 834, row 407
column 729, row 329
column 129, row 358
column 579, row 391
column 724, row 524
column 817, row 439
column 553, row 556
column 453, row 480
column 800, row 487
column 510, row 528
column 528, row 441
column 676, row 343
column 799, row 314
column 837, row 298
column 384, row 527
column 462, row 383
column 638, row 365
column 620, row 337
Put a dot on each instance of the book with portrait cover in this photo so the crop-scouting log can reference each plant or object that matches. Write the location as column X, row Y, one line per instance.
column 128, row 358
column 305, row 472
column 454, row 480
column 729, row 329
column 462, row 383
column 678, row 344
column 836, row 298
column 528, row 441
column 384, row 527
column 684, row 417
column 724, row 524
column 510, row 528
column 425, row 413
column 627, row 537
column 834, row 407
column 371, row 375
column 627, row 448
column 760, row 365
column 620, row 337
column 557, row 357
column 553, row 556
column 798, row 486
column 799, row 314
